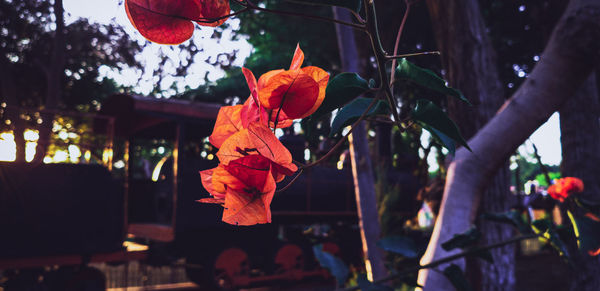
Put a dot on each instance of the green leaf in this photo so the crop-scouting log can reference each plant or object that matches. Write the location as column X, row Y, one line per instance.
column 354, row 5
column 587, row 231
column 544, row 227
column 463, row 240
column 351, row 112
column 365, row 285
column 431, row 115
column 427, row 79
column 340, row 90
column 400, row 245
column 512, row 217
column 336, row 267
column 442, row 139
column 457, row 278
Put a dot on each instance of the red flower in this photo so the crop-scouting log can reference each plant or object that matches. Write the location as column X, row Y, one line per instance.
column 564, row 187
column 245, row 188
column 170, row 22
column 297, row 91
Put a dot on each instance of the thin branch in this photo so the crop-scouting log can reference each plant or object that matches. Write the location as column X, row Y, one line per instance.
column 291, row 182
column 450, row 259
column 342, row 140
column 281, row 12
column 398, row 36
column 394, row 57
column 211, row 20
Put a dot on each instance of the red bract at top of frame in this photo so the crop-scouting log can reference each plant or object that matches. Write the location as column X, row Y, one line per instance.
column 170, row 22
column 564, row 187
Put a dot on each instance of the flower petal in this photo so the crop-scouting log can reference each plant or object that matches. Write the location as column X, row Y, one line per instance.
column 321, row 77
column 243, row 209
column 214, row 9
column 294, row 91
column 162, row 21
column 228, row 122
column 298, row 58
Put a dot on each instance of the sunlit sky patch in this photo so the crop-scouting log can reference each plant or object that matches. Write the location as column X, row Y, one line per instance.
column 546, row 138
column 106, row 12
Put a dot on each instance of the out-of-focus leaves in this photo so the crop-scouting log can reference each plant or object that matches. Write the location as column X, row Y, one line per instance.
column 443, row 139
column 354, row 5
column 457, row 278
column 544, row 227
column 351, row 112
column 402, row 245
column 336, row 267
column 427, row 79
column 512, row 217
column 429, row 114
column 587, row 231
column 463, row 240
column 340, row 90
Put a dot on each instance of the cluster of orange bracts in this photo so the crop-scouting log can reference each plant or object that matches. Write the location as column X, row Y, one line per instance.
column 252, row 159
column 563, row 188
column 170, row 22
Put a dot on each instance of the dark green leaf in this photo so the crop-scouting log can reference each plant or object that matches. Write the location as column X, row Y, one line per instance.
column 463, row 240
column 457, row 278
column 399, row 244
column 442, row 139
column 587, row 231
column 544, row 227
column 351, row 112
column 512, row 217
column 365, row 285
column 431, row 115
column 342, row 89
column 427, row 79
column 354, row 5
column 336, row 267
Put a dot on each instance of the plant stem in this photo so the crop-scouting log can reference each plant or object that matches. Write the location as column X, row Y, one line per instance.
column 291, row 182
column 398, row 36
column 380, row 57
column 343, row 139
column 451, row 258
column 393, row 57
column 281, row 12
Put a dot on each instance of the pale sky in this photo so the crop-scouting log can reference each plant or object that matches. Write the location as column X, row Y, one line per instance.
column 546, row 138
column 108, row 11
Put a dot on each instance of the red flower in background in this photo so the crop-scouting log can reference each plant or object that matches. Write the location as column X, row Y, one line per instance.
column 170, row 22
column 564, row 187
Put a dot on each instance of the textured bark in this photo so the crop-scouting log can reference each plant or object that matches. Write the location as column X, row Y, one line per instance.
column 470, row 63
column 54, row 77
column 580, row 140
column 572, row 50
column 362, row 169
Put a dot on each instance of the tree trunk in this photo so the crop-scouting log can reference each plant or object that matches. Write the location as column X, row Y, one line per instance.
column 9, row 93
column 572, row 50
column 470, row 62
column 580, row 140
column 362, row 169
column 54, row 77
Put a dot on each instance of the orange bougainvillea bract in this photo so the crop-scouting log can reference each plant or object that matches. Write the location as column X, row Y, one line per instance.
column 294, row 93
column 169, row 21
column 245, row 188
column 252, row 159
column 564, row 187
